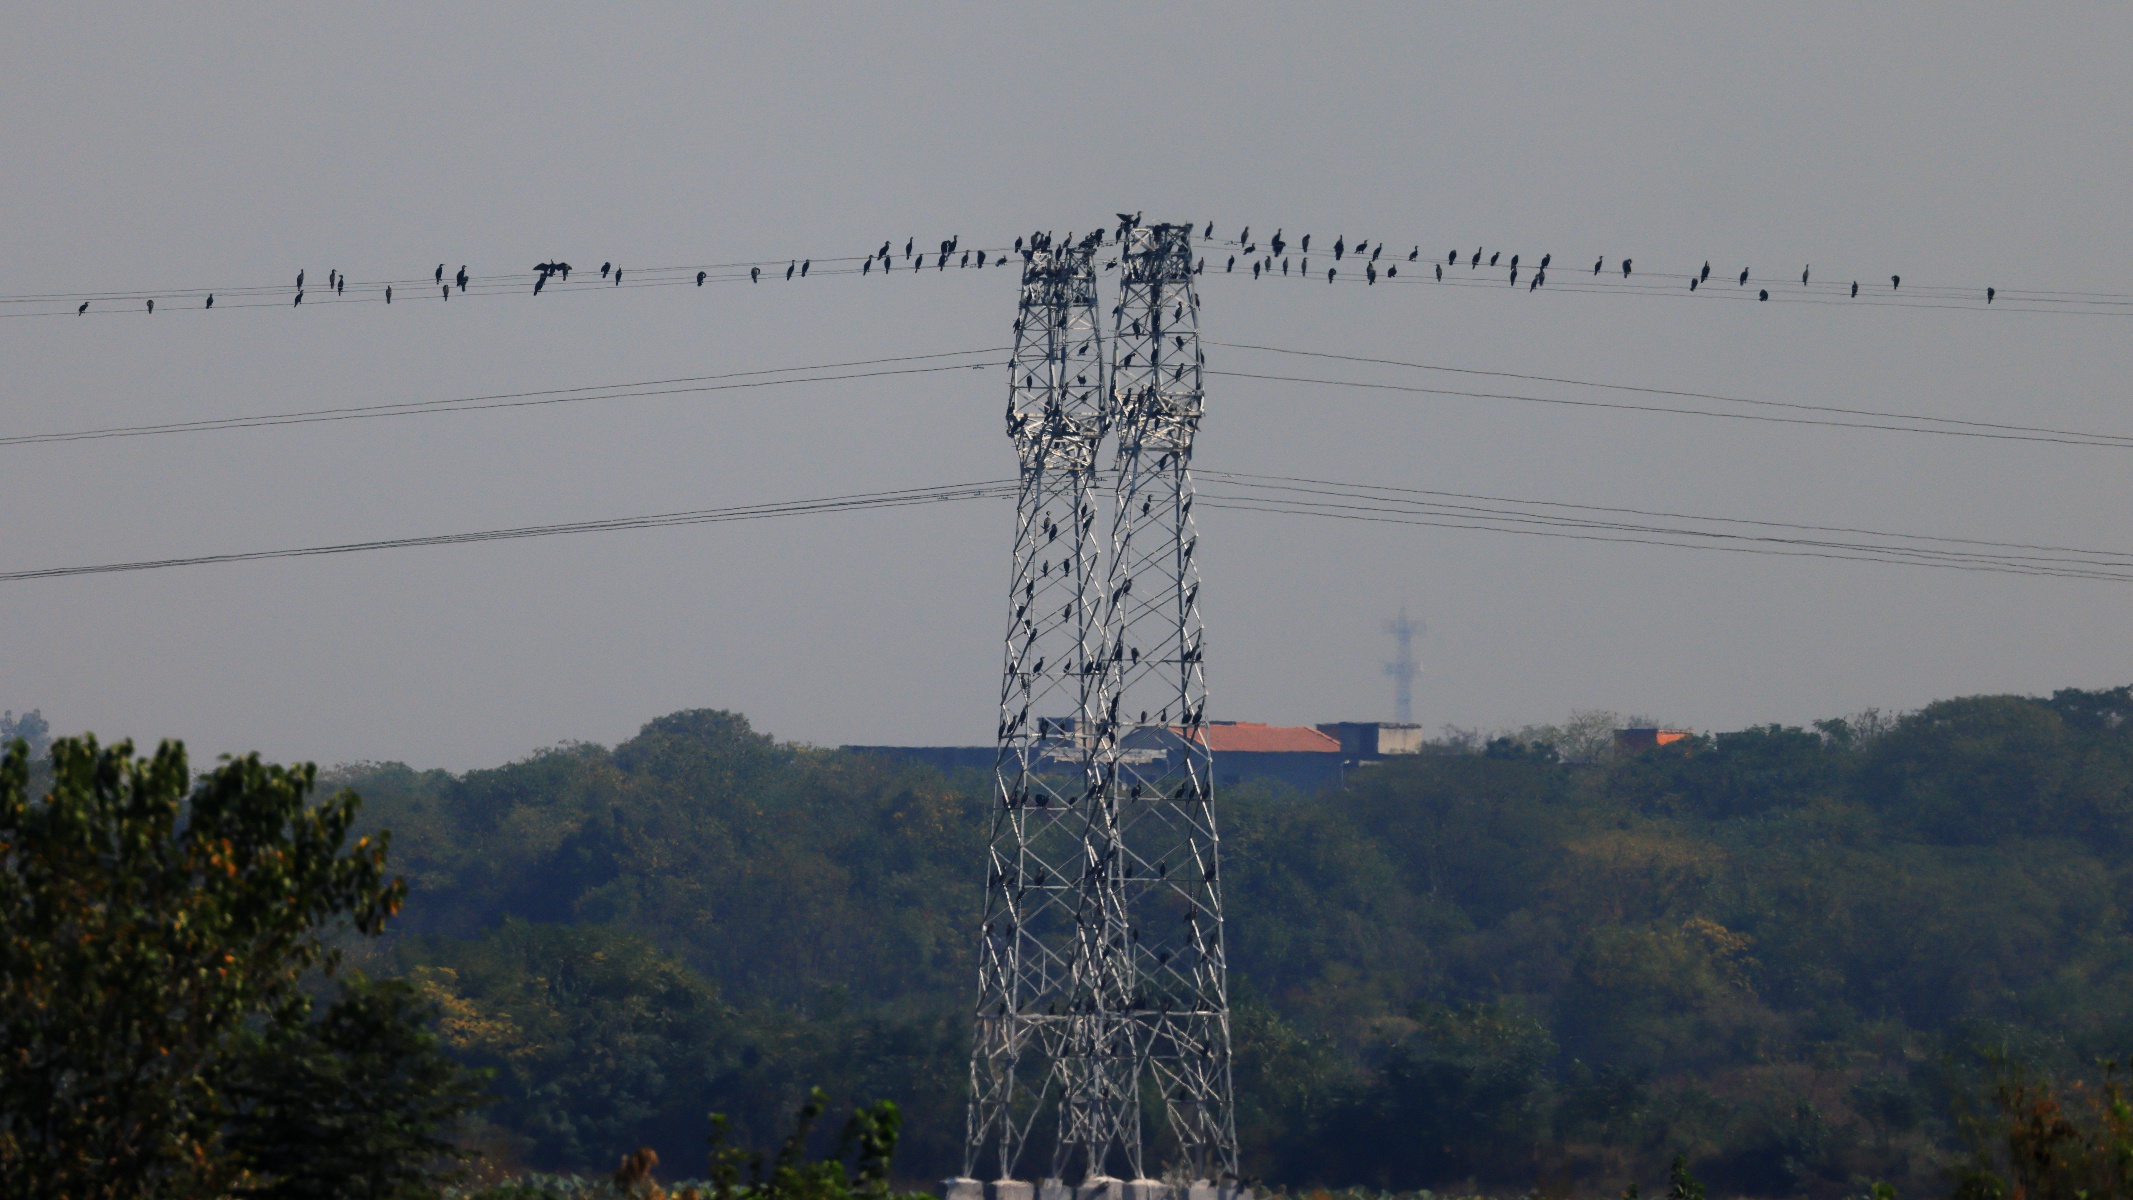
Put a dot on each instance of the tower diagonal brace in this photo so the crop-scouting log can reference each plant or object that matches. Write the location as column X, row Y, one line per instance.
column 1029, row 1037
column 1154, row 758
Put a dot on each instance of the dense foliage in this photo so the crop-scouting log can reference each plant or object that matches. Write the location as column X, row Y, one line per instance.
column 156, row 1037
column 1780, row 951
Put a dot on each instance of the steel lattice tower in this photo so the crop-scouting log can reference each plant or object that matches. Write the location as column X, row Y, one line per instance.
column 1036, row 1039
column 1155, row 760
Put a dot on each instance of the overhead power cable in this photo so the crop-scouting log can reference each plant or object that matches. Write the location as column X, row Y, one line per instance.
column 1333, row 500
column 681, row 385
column 990, row 489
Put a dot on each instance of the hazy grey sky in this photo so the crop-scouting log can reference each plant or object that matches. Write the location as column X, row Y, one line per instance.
column 196, row 145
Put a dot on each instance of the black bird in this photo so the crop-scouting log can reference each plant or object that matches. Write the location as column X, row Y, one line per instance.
column 1414, row 254
column 1452, row 259
column 540, row 281
column 1988, row 295
column 210, row 300
column 867, row 267
column 1706, row 269
column 1597, row 264
column 1232, row 264
column 1210, row 230
column 700, row 276
column 1514, row 276
column 151, row 308
column 618, row 279
column 1855, row 289
column 340, row 283
column 299, row 281
column 1305, row 245
column 803, row 267
column 1763, row 294
column 1340, row 247
column 1370, row 270
column 605, row 268
column 440, row 272
column 84, row 308
column 1545, row 260
column 1474, row 261
column 1535, row 284
column 966, row 261
column 461, row 277
column 1392, row 272
column 1492, row 257
column 755, row 274
column 1440, row 272
column 1743, row 278
column 907, row 246
column 1693, row 282
column 388, row 293
column 884, row 251
column 1625, row 268
column 1541, row 276
column 447, row 292
column 1255, row 270
column 1246, row 236
column 1803, row 274
column 563, row 269
column 981, row 260
column 299, row 300
column 1895, row 281
column 1514, row 262
column 791, row 267
column 1330, row 273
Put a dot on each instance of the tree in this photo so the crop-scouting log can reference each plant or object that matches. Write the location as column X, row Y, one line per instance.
column 149, row 920
column 352, row 1104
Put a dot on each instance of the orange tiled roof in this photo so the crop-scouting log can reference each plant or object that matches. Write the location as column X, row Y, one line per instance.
column 1245, row 737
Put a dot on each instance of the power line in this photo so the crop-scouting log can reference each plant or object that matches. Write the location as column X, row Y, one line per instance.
column 682, row 385
column 1378, row 504
column 2110, row 441
column 990, row 489
column 1955, row 423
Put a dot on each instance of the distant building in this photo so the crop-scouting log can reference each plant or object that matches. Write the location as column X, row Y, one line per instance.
column 1366, row 741
column 1633, row 740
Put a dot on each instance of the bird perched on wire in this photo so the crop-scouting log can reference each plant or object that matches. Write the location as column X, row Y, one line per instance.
column 1597, row 264
column 299, row 300
column 1743, row 278
column 1763, row 294
column 151, row 308
column 700, row 276
column 541, row 280
column 1440, row 272
column 618, row 279
column 1706, row 269
column 299, row 281
column 388, row 294
column 1803, row 274
column 1988, row 295
column 1414, row 254
column 755, row 274
column 440, row 273
column 1625, row 268
column 804, row 266
column 211, row 300
column 1895, row 281
column 1340, row 247
column 790, row 267
column 461, row 278
column 1492, row 257
column 1330, row 273
column 84, row 308
column 1855, row 289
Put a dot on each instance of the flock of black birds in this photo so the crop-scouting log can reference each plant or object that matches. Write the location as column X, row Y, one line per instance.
column 1364, row 259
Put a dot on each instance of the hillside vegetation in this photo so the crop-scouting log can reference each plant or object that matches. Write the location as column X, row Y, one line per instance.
column 1789, row 953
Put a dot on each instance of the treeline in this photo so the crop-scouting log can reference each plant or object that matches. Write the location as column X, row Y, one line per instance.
column 1788, row 953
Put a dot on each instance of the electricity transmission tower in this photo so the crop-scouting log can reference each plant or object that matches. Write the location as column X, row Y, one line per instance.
column 1102, row 974
column 1156, row 762
column 1404, row 668
column 1030, row 1036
